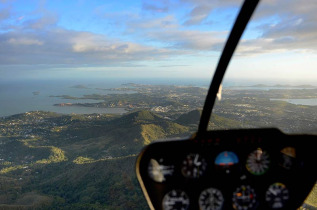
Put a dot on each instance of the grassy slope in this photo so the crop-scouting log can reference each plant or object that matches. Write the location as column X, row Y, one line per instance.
column 107, row 183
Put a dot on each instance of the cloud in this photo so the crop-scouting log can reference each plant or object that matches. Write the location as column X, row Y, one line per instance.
column 190, row 40
column 154, row 8
column 294, row 28
column 156, row 37
column 166, row 31
column 282, row 25
column 24, row 41
column 202, row 9
column 5, row 13
column 47, row 20
column 198, row 14
column 36, row 43
column 141, row 25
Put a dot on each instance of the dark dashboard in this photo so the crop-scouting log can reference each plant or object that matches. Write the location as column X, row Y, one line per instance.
column 236, row 169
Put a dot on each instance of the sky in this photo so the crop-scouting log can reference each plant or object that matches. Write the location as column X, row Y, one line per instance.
column 155, row 38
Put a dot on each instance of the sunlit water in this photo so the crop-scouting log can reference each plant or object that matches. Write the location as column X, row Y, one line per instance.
column 19, row 96
column 24, row 96
column 305, row 101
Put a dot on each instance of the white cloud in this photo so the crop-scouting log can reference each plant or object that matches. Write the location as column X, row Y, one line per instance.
column 190, row 40
column 294, row 29
column 154, row 8
column 155, row 37
column 54, row 45
column 24, row 41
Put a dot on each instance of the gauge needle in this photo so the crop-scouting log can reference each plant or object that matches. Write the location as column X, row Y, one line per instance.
column 258, row 155
column 196, row 162
column 273, row 191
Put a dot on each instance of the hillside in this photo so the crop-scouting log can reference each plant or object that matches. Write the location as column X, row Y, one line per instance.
column 122, row 136
column 192, row 118
column 78, row 161
column 52, row 161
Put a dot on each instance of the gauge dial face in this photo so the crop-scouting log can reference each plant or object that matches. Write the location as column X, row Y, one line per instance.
column 289, row 151
column 288, row 157
column 194, row 166
column 175, row 199
column 158, row 171
column 258, row 162
column 244, row 198
column 211, row 199
column 226, row 161
column 277, row 195
column 226, row 158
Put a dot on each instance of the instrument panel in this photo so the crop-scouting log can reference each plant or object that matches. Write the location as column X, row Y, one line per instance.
column 237, row 169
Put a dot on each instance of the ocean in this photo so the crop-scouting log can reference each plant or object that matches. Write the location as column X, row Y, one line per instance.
column 20, row 96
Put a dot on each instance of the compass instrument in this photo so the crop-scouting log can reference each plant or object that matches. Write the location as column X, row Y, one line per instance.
column 211, row 199
column 158, row 171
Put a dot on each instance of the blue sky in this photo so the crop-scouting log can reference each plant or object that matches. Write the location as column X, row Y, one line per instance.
column 154, row 38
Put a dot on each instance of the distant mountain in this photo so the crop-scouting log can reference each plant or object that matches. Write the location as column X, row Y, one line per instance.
column 80, row 87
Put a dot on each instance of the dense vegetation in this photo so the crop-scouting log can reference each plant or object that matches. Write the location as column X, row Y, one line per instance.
column 77, row 163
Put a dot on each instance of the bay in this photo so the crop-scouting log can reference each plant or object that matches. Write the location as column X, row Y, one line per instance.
column 303, row 101
column 20, row 96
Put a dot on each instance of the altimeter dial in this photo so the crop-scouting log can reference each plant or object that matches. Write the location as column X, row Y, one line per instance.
column 258, row 162
column 194, row 166
column 277, row 195
column 175, row 199
column 244, row 198
column 211, row 199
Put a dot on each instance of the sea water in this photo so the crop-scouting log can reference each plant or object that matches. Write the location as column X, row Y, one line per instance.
column 20, row 96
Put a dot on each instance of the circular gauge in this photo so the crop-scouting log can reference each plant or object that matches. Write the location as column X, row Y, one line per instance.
column 289, row 151
column 194, row 166
column 258, row 162
column 277, row 195
column 244, row 198
column 288, row 157
column 175, row 199
column 226, row 158
column 226, row 161
column 211, row 199
column 158, row 171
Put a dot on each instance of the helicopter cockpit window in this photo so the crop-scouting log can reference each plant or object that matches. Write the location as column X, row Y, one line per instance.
column 85, row 85
column 271, row 80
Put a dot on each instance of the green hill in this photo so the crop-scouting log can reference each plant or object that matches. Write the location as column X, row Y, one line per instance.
column 82, row 161
column 122, row 136
column 192, row 119
column 97, row 171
